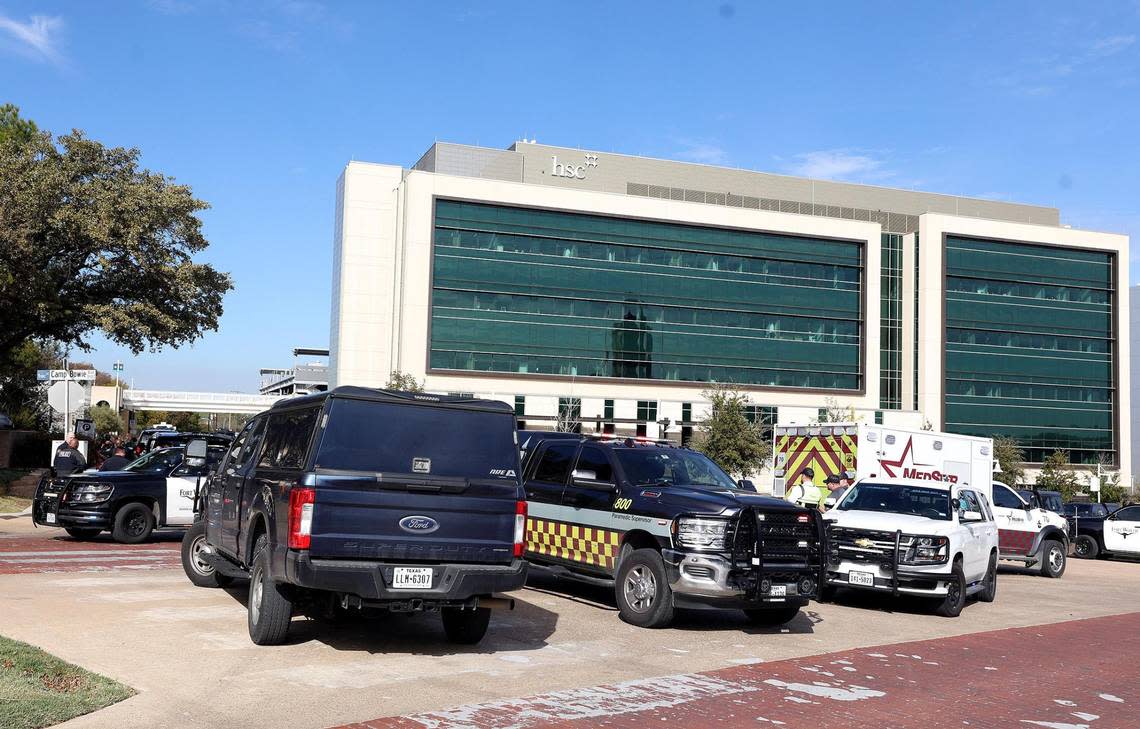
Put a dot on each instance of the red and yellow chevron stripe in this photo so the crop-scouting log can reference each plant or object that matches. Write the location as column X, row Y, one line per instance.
column 590, row 545
column 826, row 455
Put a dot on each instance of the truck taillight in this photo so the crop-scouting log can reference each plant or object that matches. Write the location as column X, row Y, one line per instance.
column 520, row 528
column 300, row 517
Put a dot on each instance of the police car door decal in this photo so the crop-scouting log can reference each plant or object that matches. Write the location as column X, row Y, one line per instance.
column 180, row 499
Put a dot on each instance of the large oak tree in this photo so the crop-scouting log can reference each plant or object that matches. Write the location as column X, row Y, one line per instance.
column 90, row 242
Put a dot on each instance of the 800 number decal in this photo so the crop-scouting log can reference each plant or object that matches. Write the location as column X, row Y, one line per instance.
column 623, row 504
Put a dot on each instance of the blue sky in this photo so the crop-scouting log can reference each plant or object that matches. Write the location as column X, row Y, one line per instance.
column 258, row 104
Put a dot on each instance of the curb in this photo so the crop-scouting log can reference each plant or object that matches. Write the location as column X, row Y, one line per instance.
column 25, row 512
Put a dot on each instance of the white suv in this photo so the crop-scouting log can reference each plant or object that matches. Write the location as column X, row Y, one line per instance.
column 925, row 538
column 1028, row 533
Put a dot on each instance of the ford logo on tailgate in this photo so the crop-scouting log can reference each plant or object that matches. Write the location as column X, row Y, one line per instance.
column 419, row 524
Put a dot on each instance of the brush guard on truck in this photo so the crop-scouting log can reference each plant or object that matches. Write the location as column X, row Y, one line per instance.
column 770, row 548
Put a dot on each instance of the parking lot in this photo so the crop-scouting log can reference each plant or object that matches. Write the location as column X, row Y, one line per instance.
column 130, row 613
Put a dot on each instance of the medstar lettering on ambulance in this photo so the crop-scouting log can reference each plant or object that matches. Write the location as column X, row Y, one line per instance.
column 913, row 471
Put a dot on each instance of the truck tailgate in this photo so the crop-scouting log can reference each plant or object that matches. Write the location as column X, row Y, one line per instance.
column 363, row 517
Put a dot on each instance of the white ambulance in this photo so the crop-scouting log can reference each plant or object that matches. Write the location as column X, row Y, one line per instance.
column 1028, row 534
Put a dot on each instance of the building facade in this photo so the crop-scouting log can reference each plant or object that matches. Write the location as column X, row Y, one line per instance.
column 610, row 291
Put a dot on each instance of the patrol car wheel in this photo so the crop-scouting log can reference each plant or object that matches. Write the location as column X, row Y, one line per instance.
column 771, row 617
column 1052, row 558
column 466, row 627
column 82, row 534
column 270, row 609
column 133, row 523
column 644, row 597
column 200, row 570
column 1086, row 547
column 989, row 593
column 951, row 605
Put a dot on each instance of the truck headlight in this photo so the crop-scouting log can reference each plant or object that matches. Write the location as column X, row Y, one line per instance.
column 701, row 532
column 927, row 550
column 90, row 493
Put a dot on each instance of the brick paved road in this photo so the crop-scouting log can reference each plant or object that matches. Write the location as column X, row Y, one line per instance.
column 1080, row 674
column 51, row 550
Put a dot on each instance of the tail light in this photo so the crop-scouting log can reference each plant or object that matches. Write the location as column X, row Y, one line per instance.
column 520, row 528
column 300, row 517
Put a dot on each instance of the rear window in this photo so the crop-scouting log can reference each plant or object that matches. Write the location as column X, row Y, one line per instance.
column 287, row 438
column 385, row 437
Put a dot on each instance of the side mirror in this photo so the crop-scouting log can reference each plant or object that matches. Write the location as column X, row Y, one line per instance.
column 586, row 479
column 196, row 451
column 970, row 516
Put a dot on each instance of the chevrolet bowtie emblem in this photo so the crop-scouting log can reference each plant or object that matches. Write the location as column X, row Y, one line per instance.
column 864, row 543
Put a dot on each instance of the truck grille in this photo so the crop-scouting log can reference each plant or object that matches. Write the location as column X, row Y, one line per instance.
column 782, row 537
column 864, row 545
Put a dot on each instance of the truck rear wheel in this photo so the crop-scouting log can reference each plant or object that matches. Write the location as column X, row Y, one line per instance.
column 1086, row 547
column 644, row 597
column 1052, row 558
column 466, row 627
column 200, row 570
column 270, row 609
column 771, row 617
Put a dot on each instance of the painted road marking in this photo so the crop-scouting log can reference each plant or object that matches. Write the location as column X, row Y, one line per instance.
column 56, row 554
column 946, row 680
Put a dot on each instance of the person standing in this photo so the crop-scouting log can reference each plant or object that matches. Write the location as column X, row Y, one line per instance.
column 116, row 461
column 805, row 493
column 68, row 458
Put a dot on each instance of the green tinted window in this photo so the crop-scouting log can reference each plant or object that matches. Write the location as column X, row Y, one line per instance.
column 544, row 292
column 1030, row 346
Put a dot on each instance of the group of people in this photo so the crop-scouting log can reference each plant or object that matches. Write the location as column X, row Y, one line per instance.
column 807, row 494
column 111, row 455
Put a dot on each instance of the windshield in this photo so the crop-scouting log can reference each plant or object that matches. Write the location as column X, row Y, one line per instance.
column 383, row 437
column 669, row 467
column 915, row 500
column 161, row 461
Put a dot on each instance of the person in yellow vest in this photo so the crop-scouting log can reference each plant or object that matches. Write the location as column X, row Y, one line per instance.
column 806, row 493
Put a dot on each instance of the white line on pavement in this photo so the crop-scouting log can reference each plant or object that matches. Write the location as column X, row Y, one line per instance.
column 57, row 560
column 69, row 552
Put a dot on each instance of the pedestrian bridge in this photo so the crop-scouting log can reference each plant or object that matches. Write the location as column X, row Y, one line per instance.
column 197, row 402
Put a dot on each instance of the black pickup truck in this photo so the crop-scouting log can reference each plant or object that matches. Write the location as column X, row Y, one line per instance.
column 668, row 528
column 366, row 499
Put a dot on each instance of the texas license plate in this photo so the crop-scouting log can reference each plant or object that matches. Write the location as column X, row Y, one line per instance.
column 411, row 577
column 49, row 518
column 779, row 591
column 866, row 579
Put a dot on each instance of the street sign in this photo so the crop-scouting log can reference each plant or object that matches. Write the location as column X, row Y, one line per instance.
column 43, row 375
column 58, row 375
column 83, row 375
column 65, row 395
column 1094, row 486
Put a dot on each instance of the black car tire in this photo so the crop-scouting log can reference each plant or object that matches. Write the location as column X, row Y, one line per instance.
column 1085, row 547
column 1053, row 560
column 269, row 609
column 771, row 617
column 134, row 523
column 465, row 627
column 951, row 605
column 642, row 590
column 200, row 572
column 989, row 593
column 82, row 534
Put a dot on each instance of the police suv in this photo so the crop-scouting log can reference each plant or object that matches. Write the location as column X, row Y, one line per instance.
column 929, row 539
column 154, row 491
column 668, row 528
